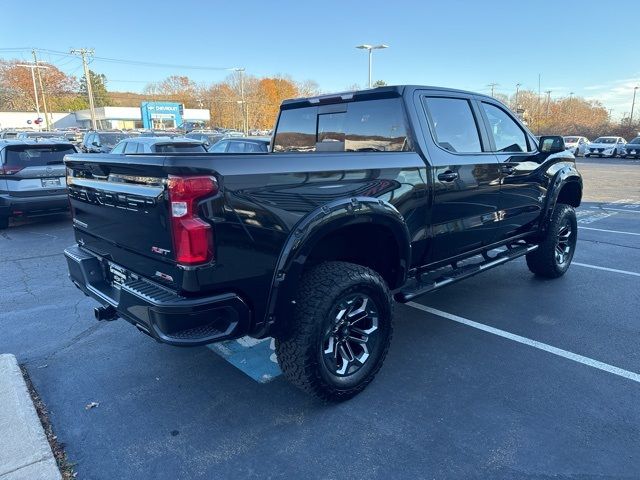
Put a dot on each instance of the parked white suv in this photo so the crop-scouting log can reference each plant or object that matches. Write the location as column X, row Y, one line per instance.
column 606, row 147
column 577, row 145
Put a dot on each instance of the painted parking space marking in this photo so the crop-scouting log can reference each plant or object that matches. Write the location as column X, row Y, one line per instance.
column 609, row 231
column 254, row 357
column 532, row 343
column 606, row 269
column 585, row 217
column 612, row 209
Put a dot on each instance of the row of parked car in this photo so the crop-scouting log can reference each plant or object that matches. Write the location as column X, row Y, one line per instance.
column 610, row 147
column 33, row 176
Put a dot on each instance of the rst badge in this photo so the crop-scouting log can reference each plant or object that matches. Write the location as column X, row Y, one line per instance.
column 161, row 251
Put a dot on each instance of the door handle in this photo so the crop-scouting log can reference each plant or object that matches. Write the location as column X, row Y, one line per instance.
column 507, row 169
column 447, row 176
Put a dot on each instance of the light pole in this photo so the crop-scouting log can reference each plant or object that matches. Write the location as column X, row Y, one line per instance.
column 633, row 104
column 518, row 85
column 371, row 48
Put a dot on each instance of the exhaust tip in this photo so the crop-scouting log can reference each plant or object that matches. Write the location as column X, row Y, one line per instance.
column 105, row 313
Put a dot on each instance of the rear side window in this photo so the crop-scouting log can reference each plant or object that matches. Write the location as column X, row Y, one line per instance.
column 453, row 124
column 252, row 147
column 119, row 148
column 368, row 126
column 507, row 134
column 180, row 148
column 35, row 156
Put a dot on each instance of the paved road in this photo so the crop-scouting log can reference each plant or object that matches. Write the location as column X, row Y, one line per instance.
column 541, row 385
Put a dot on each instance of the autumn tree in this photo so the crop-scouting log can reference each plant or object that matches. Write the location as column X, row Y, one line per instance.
column 16, row 86
column 176, row 88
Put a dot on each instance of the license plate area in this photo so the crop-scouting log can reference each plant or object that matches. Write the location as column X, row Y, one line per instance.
column 50, row 182
column 117, row 275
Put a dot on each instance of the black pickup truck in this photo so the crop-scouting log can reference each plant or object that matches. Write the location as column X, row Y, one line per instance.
column 367, row 197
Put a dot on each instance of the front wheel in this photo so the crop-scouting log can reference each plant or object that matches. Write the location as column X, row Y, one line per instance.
column 340, row 332
column 555, row 250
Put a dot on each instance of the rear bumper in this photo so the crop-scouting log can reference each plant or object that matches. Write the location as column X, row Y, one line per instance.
column 163, row 314
column 10, row 205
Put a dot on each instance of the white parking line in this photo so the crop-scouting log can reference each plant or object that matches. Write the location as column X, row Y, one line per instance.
column 614, row 270
column 629, row 210
column 608, row 231
column 532, row 343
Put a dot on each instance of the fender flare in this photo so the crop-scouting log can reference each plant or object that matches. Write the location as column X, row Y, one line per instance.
column 316, row 225
column 565, row 175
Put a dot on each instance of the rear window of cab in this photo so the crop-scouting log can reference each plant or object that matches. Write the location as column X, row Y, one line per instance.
column 367, row 126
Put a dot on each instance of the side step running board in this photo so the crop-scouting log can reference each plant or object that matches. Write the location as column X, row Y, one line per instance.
column 426, row 284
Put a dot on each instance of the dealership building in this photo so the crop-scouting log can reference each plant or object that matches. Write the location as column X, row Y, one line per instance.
column 160, row 115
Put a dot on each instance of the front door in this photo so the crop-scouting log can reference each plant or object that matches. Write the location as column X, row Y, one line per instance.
column 522, row 176
column 466, row 177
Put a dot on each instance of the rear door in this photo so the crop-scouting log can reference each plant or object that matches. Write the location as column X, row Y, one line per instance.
column 521, row 176
column 35, row 170
column 466, row 177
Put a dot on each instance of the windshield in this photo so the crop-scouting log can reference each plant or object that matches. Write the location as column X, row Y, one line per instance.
column 110, row 139
column 635, row 141
column 36, row 155
column 180, row 148
column 571, row 139
column 605, row 140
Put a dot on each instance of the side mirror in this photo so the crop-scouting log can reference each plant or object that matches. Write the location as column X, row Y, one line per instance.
column 95, row 144
column 551, row 144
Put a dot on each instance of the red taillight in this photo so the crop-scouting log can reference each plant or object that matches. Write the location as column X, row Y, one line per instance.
column 9, row 170
column 192, row 237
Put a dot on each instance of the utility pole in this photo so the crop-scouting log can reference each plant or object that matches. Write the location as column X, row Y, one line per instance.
column 633, row 104
column 83, row 52
column 548, row 92
column 493, row 86
column 44, row 99
column 518, row 85
column 243, row 103
column 33, row 79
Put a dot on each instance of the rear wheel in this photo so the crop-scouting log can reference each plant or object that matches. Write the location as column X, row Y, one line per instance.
column 555, row 251
column 340, row 331
column 4, row 222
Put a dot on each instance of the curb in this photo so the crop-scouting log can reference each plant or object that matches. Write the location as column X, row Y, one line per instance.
column 24, row 450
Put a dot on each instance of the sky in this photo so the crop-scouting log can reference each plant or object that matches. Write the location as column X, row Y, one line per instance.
column 583, row 47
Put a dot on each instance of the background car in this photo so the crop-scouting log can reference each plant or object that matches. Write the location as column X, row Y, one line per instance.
column 606, row 147
column 632, row 149
column 36, row 135
column 241, row 145
column 159, row 145
column 208, row 137
column 577, row 145
column 101, row 141
column 32, row 178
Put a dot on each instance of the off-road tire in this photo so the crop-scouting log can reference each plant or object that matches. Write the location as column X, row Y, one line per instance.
column 299, row 347
column 544, row 261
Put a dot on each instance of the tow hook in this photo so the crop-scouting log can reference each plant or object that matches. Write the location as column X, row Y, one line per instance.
column 107, row 313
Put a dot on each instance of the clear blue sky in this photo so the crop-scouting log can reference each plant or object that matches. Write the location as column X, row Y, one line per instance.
column 588, row 47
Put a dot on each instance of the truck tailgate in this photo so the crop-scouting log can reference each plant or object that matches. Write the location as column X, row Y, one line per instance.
column 120, row 212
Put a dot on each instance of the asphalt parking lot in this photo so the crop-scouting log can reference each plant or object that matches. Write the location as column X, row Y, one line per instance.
column 500, row 376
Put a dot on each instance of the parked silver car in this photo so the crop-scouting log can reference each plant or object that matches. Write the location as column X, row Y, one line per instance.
column 32, row 178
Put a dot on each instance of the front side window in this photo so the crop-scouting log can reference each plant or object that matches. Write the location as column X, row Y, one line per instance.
column 507, row 134
column 453, row 124
column 119, row 148
column 219, row 147
column 131, row 147
column 367, row 126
